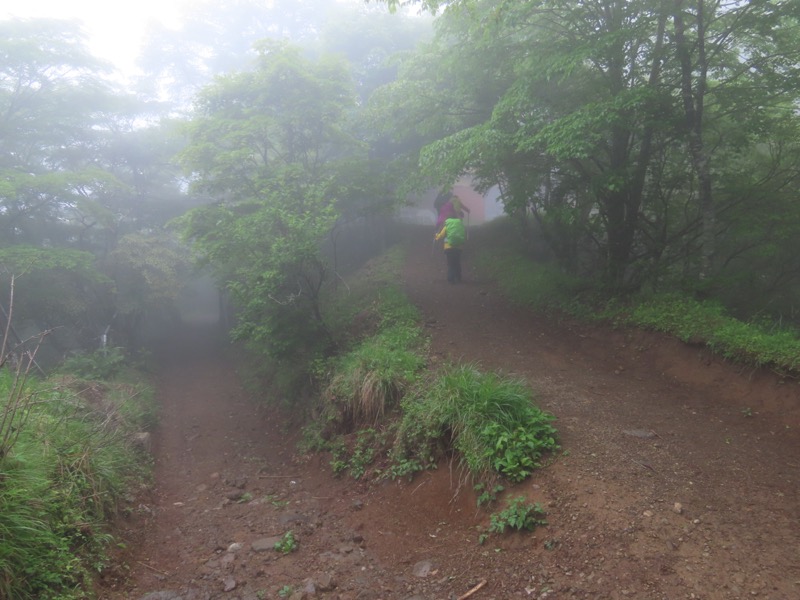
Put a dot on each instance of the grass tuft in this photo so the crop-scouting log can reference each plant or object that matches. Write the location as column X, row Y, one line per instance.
column 489, row 419
column 59, row 484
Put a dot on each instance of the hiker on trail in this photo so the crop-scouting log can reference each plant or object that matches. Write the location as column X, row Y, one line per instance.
column 452, row 208
column 454, row 236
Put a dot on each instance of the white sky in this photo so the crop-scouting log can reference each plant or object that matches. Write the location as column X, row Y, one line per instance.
column 114, row 27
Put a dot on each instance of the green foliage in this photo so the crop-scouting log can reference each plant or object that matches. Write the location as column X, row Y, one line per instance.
column 488, row 418
column 534, row 284
column 686, row 319
column 595, row 142
column 487, row 494
column 709, row 323
column 368, row 380
column 52, row 287
column 149, row 271
column 404, row 467
column 101, row 364
column 287, row 544
column 519, row 515
column 81, row 171
column 275, row 501
column 363, row 453
column 371, row 379
column 61, row 481
column 311, row 438
column 269, row 257
column 358, row 452
column 516, row 452
column 699, row 322
column 23, row 259
column 285, row 591
column 265, row 142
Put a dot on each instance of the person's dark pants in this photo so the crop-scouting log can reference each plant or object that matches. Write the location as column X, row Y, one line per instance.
column 453, row 256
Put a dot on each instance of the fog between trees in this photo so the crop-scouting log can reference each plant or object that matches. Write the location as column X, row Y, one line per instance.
column 652, row 146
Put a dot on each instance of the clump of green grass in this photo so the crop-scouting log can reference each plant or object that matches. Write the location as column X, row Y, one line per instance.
column 371, row 379
column 709, row 323
column 61, row 480
column 370, row 376
column 98, row 365
column 488, row 419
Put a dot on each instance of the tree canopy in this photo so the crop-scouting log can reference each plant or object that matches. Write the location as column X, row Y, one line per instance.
column 264, row 146
column 651, row 145
column 620, row 127
column 78, row 172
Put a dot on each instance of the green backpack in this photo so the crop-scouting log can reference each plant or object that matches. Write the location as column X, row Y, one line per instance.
column 455, row 234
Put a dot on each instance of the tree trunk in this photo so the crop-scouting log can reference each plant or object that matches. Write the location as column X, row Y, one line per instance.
column 693, row 95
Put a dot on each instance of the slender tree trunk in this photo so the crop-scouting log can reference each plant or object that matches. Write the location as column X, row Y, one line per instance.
column 693, row 95
column 623, row 199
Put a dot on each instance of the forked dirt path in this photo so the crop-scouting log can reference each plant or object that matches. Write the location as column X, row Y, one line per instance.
column 679, row 477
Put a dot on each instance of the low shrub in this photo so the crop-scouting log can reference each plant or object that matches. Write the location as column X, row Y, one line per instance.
column 519, row 515
column 489, row 419
column 98, row 365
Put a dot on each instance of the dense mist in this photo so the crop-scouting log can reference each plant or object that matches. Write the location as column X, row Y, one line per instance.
column 264, row 149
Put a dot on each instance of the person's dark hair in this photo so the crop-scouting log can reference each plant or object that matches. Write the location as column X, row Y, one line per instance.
column 441, row 198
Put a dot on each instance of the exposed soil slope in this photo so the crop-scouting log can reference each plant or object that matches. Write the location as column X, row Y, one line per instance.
column 679, row 478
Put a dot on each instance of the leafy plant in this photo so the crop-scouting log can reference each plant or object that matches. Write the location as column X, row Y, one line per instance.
column 339, row 457
column 519, row 515
column 275, row 501
column 363, row 453
column 487, row 495
column 516, row 452
column 488, row 418
column 101, row 364
column 367, row 445
column 287, row 544
column 285, row 591
column 404, row 467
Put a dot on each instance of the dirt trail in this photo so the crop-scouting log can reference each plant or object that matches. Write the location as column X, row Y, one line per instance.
column 679, row 478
